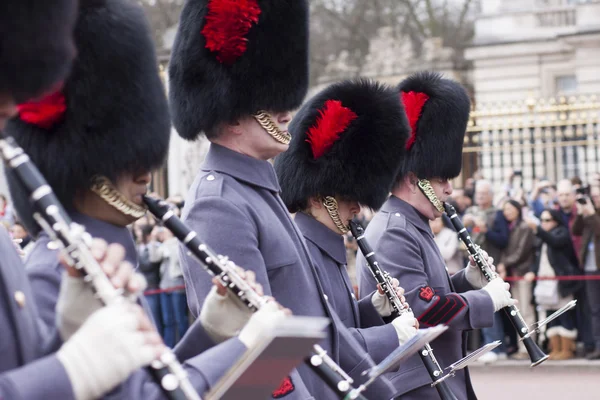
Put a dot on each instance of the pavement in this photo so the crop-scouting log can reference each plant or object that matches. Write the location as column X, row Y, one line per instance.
column 551, row 380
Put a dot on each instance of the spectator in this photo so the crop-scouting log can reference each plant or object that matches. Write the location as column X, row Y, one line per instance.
column 150, row 270
column 6, row 212
column 489, row 230
column 555, row 258
column 587, row 224
column 542, row 197
column 22, row 238
column 568, row 210
column 173, row 301
column 447, row 241
column 516, row 260
column 463, row 202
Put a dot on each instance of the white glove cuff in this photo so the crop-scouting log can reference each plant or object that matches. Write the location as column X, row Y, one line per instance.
column 76, row 302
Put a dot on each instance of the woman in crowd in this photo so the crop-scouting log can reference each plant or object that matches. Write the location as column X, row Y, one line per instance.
column 516, row 260
column 555, row 258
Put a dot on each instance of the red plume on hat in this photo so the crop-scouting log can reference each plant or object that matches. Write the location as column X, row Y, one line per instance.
column 413, row 105
column 45, row 112
column 333, row 120
column 227, row 24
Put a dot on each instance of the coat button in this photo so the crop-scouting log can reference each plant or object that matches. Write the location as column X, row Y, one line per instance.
column 326, row 298
column 353, row 296
column 20, row 298
column 52, row 245
column 210, row 178
column 397, row 214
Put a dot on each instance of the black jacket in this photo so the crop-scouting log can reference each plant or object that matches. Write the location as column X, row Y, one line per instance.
column 561, row 256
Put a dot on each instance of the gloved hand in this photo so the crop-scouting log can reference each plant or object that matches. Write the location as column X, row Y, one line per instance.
column 223, row 315
column 77, row 301
column 498, row 291
column 109, row 346
column 473, row 273
column 263, row 320
column 382, row 303
column 406, row 326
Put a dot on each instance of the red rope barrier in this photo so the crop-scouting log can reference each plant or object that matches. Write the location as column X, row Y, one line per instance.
column 158, row 291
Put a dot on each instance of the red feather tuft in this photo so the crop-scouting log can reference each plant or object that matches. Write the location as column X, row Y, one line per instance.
column 332, row 121
column 226, row 27
column 413, row 105
column 45, row 112
column 286, row 387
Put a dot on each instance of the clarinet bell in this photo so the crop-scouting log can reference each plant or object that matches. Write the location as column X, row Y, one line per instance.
column 536, row 354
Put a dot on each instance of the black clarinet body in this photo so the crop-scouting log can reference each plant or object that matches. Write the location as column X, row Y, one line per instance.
column 385, row 282
column 536, row 354
column 224, row 269
column 52, row 217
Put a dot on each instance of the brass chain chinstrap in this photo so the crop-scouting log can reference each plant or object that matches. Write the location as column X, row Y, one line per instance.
column 265, row 120
column 104, row 188
column 428, row 191
column 331, row 205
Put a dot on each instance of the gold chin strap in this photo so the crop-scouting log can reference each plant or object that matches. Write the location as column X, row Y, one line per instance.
column 428, row 191
column 265, row 120
column 331, row 205
column 104, row 188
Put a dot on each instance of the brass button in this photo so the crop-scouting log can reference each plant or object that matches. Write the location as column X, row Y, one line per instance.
column 20, row 298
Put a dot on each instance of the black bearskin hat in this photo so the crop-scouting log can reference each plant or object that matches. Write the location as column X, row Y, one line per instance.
column 233, row 58
column 438, row 112
column 110, row 118
column 36, row 45
column 348, row 141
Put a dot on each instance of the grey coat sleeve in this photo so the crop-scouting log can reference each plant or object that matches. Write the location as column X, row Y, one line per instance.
column 219, row 222
column 203, row 370
column 431, row 305
column 42, row 379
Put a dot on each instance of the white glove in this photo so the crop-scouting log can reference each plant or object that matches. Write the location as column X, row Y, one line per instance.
column 223, row 317
column 498, row 291
column 405, row 326
column 262, row 321
column 76, row 302
column 473, row 273
column 109, row 346
column 382, row 303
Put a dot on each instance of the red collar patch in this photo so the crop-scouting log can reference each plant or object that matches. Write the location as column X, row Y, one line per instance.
column 286, row 387
column 426, row 293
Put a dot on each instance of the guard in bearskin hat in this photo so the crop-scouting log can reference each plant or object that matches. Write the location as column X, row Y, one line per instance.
column 238, row 69
column 347, row 146
column 96, row 140
column 37, row 45
column 437, row 111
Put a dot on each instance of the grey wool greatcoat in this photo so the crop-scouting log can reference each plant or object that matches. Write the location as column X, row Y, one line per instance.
column 405, row 247
column 362, row 319
column 24, row 372
column 205, row 365
column 235, row 207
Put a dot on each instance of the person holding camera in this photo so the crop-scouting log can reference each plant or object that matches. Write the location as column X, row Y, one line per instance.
column 587, row 224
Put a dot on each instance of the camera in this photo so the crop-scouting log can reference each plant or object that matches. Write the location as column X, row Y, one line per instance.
column 583, row 193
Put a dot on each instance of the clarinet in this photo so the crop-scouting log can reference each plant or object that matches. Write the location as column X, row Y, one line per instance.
column 52, row 217
column 225, row 271
column 536, row 354
column 384, row 280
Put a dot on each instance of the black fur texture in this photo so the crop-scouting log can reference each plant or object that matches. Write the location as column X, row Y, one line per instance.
column 437, row 150
column 362, row 163
column 36, row 45
column 272, row 75
column 117, row 118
